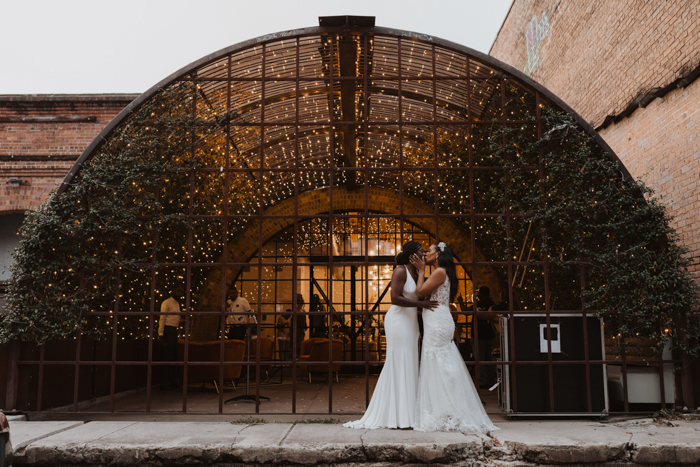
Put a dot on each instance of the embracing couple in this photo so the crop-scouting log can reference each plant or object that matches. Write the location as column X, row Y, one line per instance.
column 441, row 396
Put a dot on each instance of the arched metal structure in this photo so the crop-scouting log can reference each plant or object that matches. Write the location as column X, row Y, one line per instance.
column 214, row 68
column 337, row 126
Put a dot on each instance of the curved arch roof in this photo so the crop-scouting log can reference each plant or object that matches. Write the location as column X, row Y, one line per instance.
column 315, row 86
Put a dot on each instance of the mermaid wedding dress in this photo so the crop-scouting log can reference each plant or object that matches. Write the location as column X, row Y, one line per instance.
column 447, row 399
column 393, row 403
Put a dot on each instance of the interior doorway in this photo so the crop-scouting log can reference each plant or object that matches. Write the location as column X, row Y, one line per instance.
column 339, row 280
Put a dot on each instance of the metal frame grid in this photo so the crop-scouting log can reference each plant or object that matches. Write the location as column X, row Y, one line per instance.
column 343, row 93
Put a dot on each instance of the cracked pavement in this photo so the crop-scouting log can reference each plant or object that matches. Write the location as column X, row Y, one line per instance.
column 518, row 443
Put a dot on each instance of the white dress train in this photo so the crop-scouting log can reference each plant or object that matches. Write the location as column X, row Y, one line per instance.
column 393, row 403
column 447, row 399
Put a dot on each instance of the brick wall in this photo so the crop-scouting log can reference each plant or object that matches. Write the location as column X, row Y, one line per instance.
column 598, row 56
column 42, row 136
column 605, row 58
column 661, row 145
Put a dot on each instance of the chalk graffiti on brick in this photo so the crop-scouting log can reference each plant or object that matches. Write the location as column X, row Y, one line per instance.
column 534, row 36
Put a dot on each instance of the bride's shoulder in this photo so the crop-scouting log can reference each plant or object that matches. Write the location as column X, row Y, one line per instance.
column 440, row 273
column 400, row 272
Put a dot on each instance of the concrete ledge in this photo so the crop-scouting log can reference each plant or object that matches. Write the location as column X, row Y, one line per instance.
column 23, row 433
column 518, row 443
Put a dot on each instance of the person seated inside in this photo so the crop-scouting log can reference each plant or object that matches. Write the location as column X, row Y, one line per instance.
column 237, row 323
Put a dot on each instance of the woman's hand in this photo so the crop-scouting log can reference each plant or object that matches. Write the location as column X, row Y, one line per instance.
column 429, row 304
column 418, row 263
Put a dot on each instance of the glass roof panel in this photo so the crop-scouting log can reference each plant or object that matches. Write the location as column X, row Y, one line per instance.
column 281, row 59
column 313, row 102
column 217, row 69
column 452, row 97
column 385, row 61
column 449, row 63
column 311, row 57
column 247, row 63
column 416, row 59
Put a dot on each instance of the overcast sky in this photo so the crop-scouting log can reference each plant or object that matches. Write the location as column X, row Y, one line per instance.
column 100, row 46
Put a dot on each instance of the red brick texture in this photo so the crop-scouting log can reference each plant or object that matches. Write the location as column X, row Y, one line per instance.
column 661, row 145
column 599, row 57
column 41, row 152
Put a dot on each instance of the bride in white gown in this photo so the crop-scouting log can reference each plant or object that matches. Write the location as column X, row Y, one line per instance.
column 446, row 399
column 393, row 403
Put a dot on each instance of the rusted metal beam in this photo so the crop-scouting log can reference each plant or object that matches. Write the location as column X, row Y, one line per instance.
column 12, row 376
column 347, row 58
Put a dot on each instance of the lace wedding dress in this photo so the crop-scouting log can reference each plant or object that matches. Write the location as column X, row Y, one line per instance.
column 393, row 403
column 447, row 399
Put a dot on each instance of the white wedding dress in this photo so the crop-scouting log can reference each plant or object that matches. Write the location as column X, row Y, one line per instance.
column 393, row 403
column 447, row 399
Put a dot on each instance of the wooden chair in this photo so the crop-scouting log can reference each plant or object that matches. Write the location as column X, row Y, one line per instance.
column 209, row 351
column 316, row 350
column 267, row 348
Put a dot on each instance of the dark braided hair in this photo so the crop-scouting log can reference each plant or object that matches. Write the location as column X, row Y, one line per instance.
column 404, row 256
column 446, row 261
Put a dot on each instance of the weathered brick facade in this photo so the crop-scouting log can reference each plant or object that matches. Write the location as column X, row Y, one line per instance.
column 42, row 136
column 630, row 68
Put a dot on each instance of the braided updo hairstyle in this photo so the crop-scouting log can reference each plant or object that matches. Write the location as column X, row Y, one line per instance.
column 404, row 256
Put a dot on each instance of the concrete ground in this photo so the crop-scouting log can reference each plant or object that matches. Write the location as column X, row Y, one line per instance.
column 348, row 397
column 166, row 436
column 518, row 443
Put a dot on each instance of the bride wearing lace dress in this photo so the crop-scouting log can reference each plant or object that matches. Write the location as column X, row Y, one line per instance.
column 393, row 403
column 446, row 398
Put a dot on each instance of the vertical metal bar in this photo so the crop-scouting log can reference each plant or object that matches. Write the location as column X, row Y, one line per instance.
column 190, row 241
column 436, row 172
column 295, row 240
column 475, row 316
column 261, row 213
column 79, row 337
column 329, row 285
column 506, row 206
column 586, row 350
column 331, row 187
column 13, row 351
column 151, row 323
column 623, row 357
column 402, row 236
column 115, row 332
column 662, row 388
column 227, row 199
column 365, row 175
column 40, row 381
column 331, row 218
column 686, row 376
column 152, row 302
column 76, row 380
column 582, row 273
column 545, row 259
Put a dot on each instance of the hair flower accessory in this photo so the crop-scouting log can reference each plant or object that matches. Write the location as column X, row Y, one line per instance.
column 442, row 246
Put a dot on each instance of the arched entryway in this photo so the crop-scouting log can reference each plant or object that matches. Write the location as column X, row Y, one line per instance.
column 294, row 165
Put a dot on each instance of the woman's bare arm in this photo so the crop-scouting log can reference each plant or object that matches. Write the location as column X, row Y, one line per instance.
column 434, row 281
column 425, row 287
column 398, row 279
